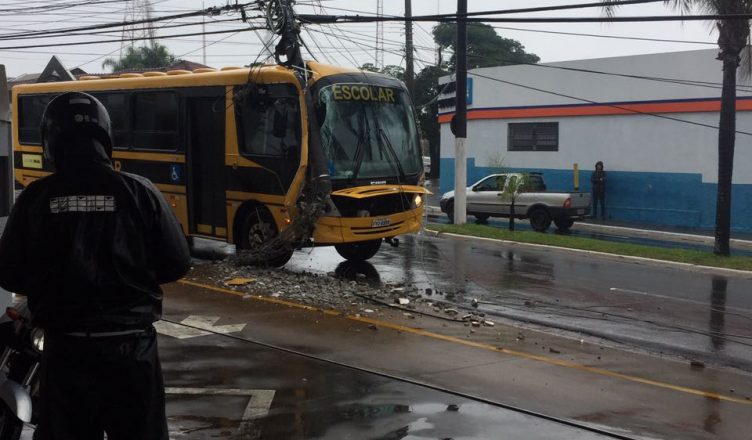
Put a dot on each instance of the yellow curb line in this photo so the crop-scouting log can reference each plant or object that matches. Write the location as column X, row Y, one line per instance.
column 519, row 354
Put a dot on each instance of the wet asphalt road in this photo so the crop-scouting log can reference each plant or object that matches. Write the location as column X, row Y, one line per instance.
column 698, row 315
column 316, row 400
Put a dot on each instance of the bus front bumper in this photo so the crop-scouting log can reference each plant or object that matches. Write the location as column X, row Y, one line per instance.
column 336, row 230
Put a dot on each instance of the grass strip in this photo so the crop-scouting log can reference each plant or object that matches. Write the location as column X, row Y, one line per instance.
column 690, row 256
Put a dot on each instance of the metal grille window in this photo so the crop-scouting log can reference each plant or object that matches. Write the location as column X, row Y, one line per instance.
column 534, row 137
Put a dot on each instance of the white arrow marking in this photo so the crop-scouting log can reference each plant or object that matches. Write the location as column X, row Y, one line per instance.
column 196, row 326
column 207, row 323
column 178, row 331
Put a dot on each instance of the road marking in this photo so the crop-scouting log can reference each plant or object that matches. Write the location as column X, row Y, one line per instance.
column 178, row 331
column 196, row 326
column 211, row 391
column 257, row 408
column 515, row 353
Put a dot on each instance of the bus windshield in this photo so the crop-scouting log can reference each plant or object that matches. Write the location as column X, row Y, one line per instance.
column 368, row 131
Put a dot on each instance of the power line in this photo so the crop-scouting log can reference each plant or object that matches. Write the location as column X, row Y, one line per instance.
column 342, row 19
column 80, row 43
column 562, row 95
column 617, row 37
column 56, row 32
column 671, row 118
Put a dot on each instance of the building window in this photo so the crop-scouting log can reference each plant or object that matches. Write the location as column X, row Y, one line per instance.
column 534, row 137
column 155, row 121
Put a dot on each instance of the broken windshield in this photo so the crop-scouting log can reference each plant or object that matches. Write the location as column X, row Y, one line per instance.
column 368, row 131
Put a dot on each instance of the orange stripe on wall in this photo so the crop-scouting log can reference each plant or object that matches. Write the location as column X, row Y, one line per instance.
column 599, row 110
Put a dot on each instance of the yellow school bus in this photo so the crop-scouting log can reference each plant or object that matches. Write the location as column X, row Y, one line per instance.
column 233, row 150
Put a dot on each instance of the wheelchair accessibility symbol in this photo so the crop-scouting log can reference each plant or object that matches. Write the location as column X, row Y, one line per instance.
column 174, row 173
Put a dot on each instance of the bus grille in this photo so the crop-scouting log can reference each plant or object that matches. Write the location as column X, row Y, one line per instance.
column 382, row 230
column 377, row 206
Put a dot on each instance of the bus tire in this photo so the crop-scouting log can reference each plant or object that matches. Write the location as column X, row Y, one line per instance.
column 540, row 219
column 360, row 251
column 258, row 228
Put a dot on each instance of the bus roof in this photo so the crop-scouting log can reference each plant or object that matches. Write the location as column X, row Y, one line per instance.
column 182, row 78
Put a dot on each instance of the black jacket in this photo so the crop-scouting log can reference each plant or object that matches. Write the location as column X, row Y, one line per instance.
column 90, row 246
column 598, row 181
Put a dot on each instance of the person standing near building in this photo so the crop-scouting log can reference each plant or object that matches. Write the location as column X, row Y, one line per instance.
column 598, row 182
column 89, row 246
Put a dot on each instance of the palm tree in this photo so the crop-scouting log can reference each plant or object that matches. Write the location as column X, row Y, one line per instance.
column 146, row 57
column 733, row 35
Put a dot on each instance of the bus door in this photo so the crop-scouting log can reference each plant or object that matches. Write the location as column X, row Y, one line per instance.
column 206, row 162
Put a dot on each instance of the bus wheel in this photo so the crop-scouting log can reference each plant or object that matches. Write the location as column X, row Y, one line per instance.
column 360, row 251
column 257, row 234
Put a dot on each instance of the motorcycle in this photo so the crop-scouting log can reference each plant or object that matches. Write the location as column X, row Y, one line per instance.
column 19, row 368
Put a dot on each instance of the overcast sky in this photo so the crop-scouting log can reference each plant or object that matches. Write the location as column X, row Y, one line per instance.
column 345, row 44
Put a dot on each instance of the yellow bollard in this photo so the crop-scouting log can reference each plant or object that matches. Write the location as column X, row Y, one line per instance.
column 576, row 170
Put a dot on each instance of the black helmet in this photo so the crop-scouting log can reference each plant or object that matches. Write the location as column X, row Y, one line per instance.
column 70, row 123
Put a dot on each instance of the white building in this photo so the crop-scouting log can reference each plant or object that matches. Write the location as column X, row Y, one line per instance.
column 650, row 118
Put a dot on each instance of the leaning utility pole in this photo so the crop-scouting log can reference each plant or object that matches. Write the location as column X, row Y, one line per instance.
column 460, row 126
column 409, row 51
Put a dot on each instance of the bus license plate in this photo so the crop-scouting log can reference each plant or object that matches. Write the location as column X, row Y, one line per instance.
column 381, row 222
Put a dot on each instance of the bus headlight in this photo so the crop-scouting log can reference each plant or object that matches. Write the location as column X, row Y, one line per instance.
column 418, row 201
column 37, row 339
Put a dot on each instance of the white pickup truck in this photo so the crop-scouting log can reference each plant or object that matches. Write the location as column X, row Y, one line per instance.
column 491, row 197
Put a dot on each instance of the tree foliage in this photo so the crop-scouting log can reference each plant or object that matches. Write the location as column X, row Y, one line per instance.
column 391, row 70
column 151, row 56
column 485, row 48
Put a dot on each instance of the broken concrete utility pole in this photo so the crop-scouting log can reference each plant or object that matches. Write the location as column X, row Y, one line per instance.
column 460, row 126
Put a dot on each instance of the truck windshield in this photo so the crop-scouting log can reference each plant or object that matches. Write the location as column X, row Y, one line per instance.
column 368, row 131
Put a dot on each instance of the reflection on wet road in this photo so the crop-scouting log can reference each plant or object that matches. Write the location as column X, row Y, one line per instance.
column 666, row 309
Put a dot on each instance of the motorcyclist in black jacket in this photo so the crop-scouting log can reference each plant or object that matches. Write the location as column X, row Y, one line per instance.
column 90, row 247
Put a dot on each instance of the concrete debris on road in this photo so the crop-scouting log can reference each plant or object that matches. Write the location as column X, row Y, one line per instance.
column 239, row 281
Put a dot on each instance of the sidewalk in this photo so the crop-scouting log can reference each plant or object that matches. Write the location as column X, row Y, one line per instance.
column 703, row 238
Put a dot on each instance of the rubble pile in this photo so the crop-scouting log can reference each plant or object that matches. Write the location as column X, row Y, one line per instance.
column 359, row 296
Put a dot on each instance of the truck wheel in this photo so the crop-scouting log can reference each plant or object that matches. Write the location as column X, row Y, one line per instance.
column 540, row 219
column 360, row 251
column 482, row 218
column 450, row 212
column 257, row 231
column 563, row 224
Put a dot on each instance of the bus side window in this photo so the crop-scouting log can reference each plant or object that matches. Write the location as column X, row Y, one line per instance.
column 269, row 123
column 116, row 104
column 155, row 121
column 30, row 110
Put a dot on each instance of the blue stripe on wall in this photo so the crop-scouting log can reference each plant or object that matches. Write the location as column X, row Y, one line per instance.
column 671, row 199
